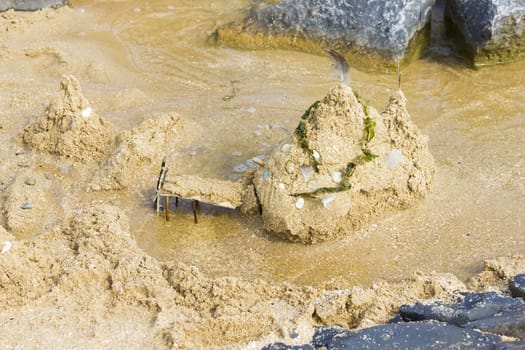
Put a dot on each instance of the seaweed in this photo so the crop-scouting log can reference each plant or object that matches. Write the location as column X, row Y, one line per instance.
column 307, row 113
column 349, row 170
column 344, row 186
column 370, row 127
column 368, row 155
column 302, row 133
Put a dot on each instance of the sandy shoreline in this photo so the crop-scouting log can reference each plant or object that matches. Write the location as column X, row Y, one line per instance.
column 75, row 277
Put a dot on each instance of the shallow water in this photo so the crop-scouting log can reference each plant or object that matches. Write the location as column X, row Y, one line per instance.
column 475, row 121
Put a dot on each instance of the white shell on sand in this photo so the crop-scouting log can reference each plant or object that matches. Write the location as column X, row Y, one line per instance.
column 393, row 158
column 6, row 246
column 86, row 112
column 286, row 148
column 327, row 199
column 312, row 184
column 316, row 155
column 282, row 186
column 299, row 203
column 307, row 171
column 289, row 166
column 337, row 176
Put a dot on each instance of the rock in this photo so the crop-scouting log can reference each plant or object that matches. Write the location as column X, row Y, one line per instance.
column 368, row 34
column 324, row 335
column 30, row 5
column 510, row 322
column 517, row 286
column 513, row 345
column 282, row 346
column 27, row 205
column 70, row 128
column 415, row 335
column 340, row 134
column 473, row 307
column 488, row 31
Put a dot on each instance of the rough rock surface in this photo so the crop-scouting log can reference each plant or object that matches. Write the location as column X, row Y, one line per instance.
column 70, row 128
column 517, row 286
column 345, row 166
column 367, row 33
column 487, row 31
column 139, row 153
column 471, row 307
column 30, row 5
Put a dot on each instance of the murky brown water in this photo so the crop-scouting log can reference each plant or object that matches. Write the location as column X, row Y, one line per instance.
column 475, row 121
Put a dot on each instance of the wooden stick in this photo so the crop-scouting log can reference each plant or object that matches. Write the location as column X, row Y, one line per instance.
column 166, row 202
column 194, row 205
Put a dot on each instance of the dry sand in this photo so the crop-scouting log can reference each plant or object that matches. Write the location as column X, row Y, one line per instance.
column 71, row 272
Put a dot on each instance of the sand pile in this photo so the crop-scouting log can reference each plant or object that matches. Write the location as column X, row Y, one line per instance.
column 139, row 153
column 70, row 127
column 91, row 269
column 345, row 166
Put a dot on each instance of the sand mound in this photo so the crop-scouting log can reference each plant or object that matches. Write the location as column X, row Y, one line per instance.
column 70, row 127
column 93, row 270
column 345, row 166
column 139, row 153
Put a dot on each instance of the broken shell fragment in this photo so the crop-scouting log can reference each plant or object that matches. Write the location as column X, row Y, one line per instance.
column 316, row 155
column 299, row 203
column 282, row 186
column 86, row 112
column 337, row 176
column 307, row 171
column 327, row 199
column 6, row 246
column 393, row 158
column 312, row 185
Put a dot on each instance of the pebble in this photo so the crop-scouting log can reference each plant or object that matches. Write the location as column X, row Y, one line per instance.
column 241, row 168
column 30, row 181
column 299, row 203
column 517, row 286
column 289, row 166
column 27, row 205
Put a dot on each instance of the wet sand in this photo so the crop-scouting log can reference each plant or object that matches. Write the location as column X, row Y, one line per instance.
column 134, row 60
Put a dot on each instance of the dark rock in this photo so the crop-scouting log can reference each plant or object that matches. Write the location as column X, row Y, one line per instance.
column 517, row 286
column 513, row 345
column 325, row 335
column 365, row 32
column 30, row 5
column 509, row 322
column 487, row 31
column 472, row 307
column 282, row 346
column 416, row 335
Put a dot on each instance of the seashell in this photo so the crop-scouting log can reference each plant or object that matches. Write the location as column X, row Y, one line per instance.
column 307, row 171
column 327, row 199
column 282, row 186
column 6, row 246
column 289, row 166
column 393, row 158
column 316, row 155
column 266, row 175
column 312, row 185
column 337, row 176
column 86, row 112
column 286, row 148
column 299, row 203
column 27, row 205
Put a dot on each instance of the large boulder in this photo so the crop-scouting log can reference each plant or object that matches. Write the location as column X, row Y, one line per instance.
column 369, row 34
column 487, row 31
column 30, row 5
column 345, row 166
